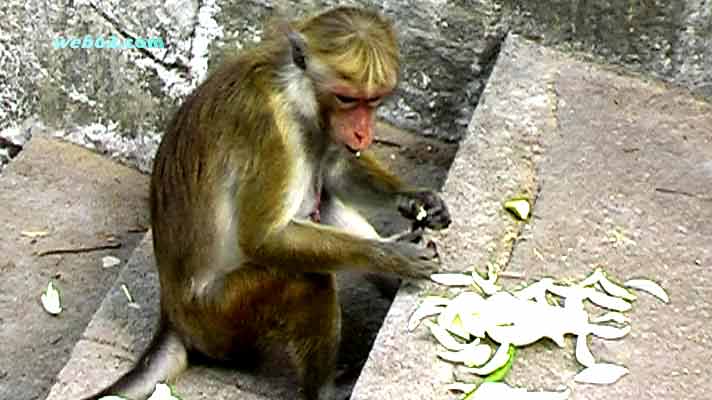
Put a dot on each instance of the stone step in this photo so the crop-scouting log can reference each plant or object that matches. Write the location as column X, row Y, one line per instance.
column 601, row 153
column 118, row 334
column 79, row 199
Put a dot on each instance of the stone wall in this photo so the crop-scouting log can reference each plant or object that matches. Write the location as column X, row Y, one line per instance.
column 117, row 101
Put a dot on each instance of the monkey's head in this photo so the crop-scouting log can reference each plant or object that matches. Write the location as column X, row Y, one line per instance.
column 351, row 58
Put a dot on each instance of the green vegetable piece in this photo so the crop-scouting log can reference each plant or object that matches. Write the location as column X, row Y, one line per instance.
column 499, row 374
column 519, row 207
column 503, row 371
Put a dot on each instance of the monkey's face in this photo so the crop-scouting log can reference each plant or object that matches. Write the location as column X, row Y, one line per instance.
column 352, row 60
column 352, row 117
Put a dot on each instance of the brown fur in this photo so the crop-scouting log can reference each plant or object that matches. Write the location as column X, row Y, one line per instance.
column 241, row 266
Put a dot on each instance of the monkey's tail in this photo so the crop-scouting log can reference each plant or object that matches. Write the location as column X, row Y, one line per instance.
column 165, row 358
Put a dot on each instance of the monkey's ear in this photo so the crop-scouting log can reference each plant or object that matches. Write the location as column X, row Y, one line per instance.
column 297, row 46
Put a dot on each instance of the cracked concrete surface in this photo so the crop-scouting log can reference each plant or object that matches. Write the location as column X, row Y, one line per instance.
column 597, row 146
column 620, row 142
column 79, row 199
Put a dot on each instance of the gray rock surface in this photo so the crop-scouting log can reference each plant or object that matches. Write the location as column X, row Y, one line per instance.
column 671, row 40
column 619, row 170
column 78, row 199
column 117, row 101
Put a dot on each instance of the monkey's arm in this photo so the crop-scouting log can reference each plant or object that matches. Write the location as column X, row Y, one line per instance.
column 364, row 183
column 270, row 234
column 303, row 246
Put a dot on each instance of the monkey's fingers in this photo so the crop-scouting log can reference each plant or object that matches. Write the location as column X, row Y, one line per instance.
column 423, row 269
column 434, row 247
column 413, row 236
column 426, row 252
column 429, row 261
column 426, row 208
column 437, row 217
column 415, row 261
column 409, row 207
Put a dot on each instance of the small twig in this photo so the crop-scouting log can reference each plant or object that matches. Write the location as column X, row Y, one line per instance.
column 682, row 193
column 512, row 275
column 138, row 229
column 77, row 250
column 386, row 142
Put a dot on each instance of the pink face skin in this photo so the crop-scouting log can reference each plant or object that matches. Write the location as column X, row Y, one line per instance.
column 353, row 119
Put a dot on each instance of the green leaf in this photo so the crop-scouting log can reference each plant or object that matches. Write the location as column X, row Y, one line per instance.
column 497, row 375
column 503, row 371
column 519, row 207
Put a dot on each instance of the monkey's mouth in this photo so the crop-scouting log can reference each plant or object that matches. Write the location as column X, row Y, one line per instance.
column 355, row 152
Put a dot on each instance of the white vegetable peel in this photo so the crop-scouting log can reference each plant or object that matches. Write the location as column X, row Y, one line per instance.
column 650, row 287
column 161, row 392
column 424, row 311
column 110, row 261
column 488, row 286
column 471, row 356
column 583, row 352
column 500, row 357
column 543, row 309
column 601, row 374
column 616, row 290
column 453, row 279
column 502, row 391
column 51, row 300
column 444, row 337
column 421, row 214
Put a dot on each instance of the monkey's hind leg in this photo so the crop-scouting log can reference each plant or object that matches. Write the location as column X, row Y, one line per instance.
column 315, row 356
column 312, row 334
column 298, row 314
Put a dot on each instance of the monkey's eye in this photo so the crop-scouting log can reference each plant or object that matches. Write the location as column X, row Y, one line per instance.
column 375, row 101
column 346, row 99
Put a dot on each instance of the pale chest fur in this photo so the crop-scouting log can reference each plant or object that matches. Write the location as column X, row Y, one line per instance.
column 310, row 186
column 304, row 189
column 304, row 194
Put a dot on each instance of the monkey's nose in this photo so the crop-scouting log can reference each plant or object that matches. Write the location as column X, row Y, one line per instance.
column 359, row 137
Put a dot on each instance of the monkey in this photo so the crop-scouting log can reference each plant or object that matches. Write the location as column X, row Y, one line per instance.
column 257, row 194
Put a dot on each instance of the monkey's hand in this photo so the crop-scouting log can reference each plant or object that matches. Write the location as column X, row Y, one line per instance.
column 408, row 259
column 426, row 208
